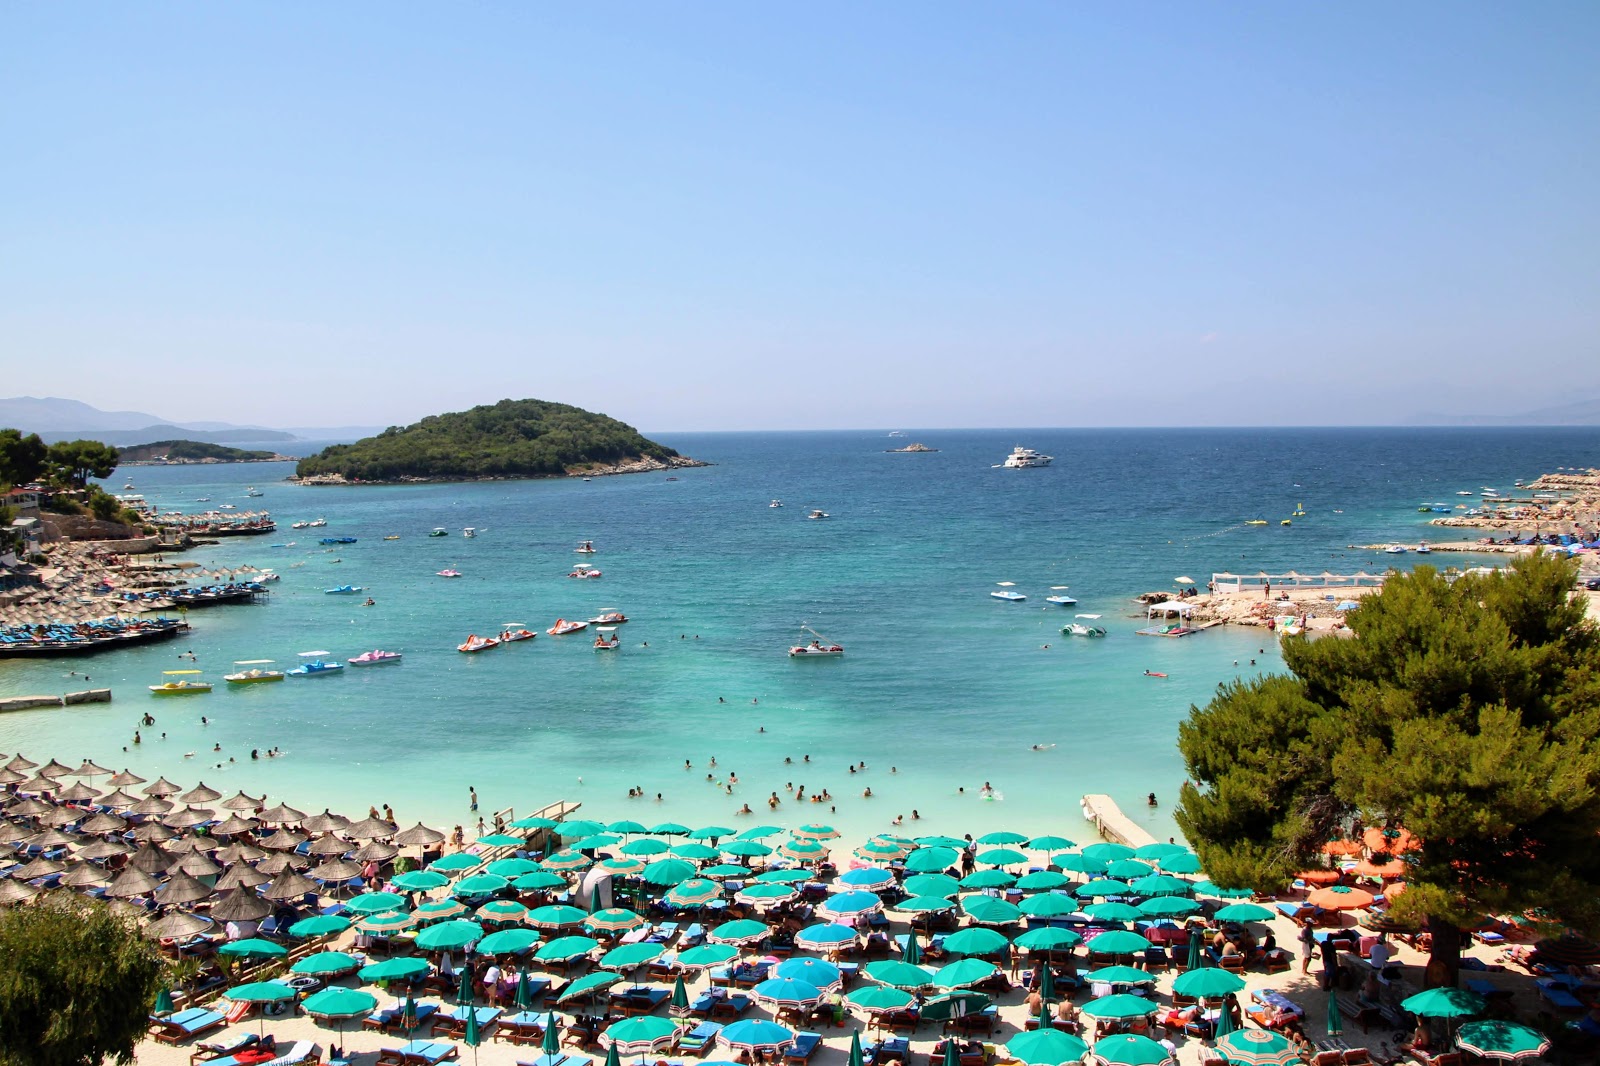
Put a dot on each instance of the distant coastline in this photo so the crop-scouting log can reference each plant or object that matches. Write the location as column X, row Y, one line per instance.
column 208, row 462
column 642, row 465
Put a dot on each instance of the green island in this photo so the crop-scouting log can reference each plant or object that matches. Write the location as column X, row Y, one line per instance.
column 510, row 439
column 193, row 451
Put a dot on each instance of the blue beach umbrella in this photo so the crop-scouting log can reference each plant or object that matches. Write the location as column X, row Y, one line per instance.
column 785, row 993
column 825, row 937
column 823, row 975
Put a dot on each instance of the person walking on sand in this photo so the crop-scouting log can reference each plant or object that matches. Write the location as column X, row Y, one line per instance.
column 1308, row 944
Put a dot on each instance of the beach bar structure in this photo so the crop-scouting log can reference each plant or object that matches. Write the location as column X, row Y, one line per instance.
column 1291, row 580
column 1169, row 618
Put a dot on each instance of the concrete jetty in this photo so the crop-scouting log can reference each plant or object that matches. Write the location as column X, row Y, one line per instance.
column 1112, row 824
column 67, row 699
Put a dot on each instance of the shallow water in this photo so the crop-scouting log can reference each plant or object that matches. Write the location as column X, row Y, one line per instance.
column 945, row 684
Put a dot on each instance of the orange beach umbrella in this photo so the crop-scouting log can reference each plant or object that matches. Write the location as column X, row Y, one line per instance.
column 1339, row 898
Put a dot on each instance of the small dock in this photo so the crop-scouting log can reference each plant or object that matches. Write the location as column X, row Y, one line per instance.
column 68, row 699
column 1112, row 824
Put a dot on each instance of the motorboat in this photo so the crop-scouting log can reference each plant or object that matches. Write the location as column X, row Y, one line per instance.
column 477, row 643
column 515, row 631
column 202, row 499
column 318, row 522
column 376, row 657
column 1423, row 549
column 1395, row 549
column 606, row 639
column 1021, row 458
column 775, row 503
column 253, row 674
column 268, row 575
column 129, row 485
column 817, row 647
column 470, row 531
column 315, row 665
column 585, row 547
column 302, row 524
column 1060, row 596
column 449, row 573
column 1084, row 629
column 181, row 687
column 584, row 570
column 563, row 627
column 819, row 513
column 439, row 531
column 253, row 491
column 609, row 617
column 344, row 590
column 1464, row 492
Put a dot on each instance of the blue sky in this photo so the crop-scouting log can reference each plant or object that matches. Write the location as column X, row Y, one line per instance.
column 725, row 216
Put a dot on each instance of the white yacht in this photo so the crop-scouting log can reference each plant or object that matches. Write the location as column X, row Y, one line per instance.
column 1024, row 457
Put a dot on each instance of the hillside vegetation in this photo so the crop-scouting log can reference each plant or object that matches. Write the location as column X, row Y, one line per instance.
column 513, row 438
column 190, row 450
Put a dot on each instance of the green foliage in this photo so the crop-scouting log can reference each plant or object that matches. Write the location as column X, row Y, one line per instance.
column 74, row 462
column 189, row 449
column 76, row 984
column 513, row 438
column 103, row 505
column 22, row 459
column 1467, row 712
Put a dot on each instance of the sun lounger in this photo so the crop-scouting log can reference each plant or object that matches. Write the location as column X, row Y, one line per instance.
column 418, row 1053
column 524, row 1028
column 555, row 1060
column 728, row 1008
column 699, row 1039
column 693, row 936
column 639, row 1000
column 303, row 1051
column 453, row 1022
column 805, row 1045
column 635, row 936
column 894, row 1049
column 226, row 1048
column 1557, row 996
column 662, row 933
column 390, row 1018
column 176, row 1028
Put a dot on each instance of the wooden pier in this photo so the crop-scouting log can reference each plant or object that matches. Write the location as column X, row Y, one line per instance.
column 1112, row 824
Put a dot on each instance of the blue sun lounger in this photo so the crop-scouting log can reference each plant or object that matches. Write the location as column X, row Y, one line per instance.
column 178, row 1027
column 805, row 1045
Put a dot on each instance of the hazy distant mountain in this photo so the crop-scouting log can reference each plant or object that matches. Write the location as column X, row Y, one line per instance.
column 1580, row 413
column 54, row 418
column 50, row 414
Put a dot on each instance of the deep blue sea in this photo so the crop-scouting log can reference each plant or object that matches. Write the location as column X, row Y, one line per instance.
column 950, row 687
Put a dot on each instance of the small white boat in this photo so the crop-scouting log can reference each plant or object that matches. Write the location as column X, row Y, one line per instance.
column 1061, row 596
column 606, row 639
column 449, row 573
column 1395, row 549
column 512, row 632
column 819, row 513
column 470, row 531
column 302, row 524
column 1084, row 629
column 818, row 647
column 1022, row 458
column 375, row 657
column 181, row 687
column 253, row 675
column 477, row 643
column 129, row 485
column 1423, row 549
column 585, row 547
column 318, row 522
column 316, row 665
column 253, row 491
column 583, row 570
column 609, row 617
column 1463, row 492
column 563, row 627
column 1007, row 592
column 774, row 503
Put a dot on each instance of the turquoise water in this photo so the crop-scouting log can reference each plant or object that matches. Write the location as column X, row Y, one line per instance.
column 949, row 686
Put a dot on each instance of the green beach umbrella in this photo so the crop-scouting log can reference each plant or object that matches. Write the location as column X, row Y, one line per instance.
column 628, row 956
column 668, row 872
column 163, row 1004
column 501, row 911
column 464, row 988
column 1158, row 851
column 1128, row 869
column 645, row 846
column 638, row 1035
column 625, row 827
column 856, row 1058
column 932, row 885
column 1224, row 1024
column 803, row 850
column 1000, row 838
column 579, row 828
column 260, row 992
column 974, row 940
column 695, row 851
column 566, row 860
column 707, row 955
column 550, row 1043
column 963, row 972
column 1122, row 975
column 1102, row 887
column 598, row 840
column 924, row 905
column 988, row 879
column 1047, row 1046
column 1502, row 1040
column 1108, row 852
column 1335, row 1024
column 501, row 840
column 508, row 942
column 1209, row 982
column 408, row 1013
column 782, row 877
column 319, row 925
column 745, row 849
column 954, row 1005
column 1196, row 957
column 556, row 915
column 879, row 851
column 740, row 931
column 1001, row 857
column 1050, row 843
column 767, row 893
column 336, row 1002
column 760, row 832
column 478, row 885
column 470, row 1035
column 1118, row 942
column 1167, row 907
column 449, row 936
column 1206, row 888
column 727, row 869
column 523, row 1000
column 375, row 903
column 1120, row 1005
column 1445, row 1003
column 537, row 881
column 1131, row 1049
column 567, row 947
column 1042, row 881
column 825, row 936
column 398, row 969
column 1048, row 938
column 669, row 829
column 534, row 822
column 940, row 842
column 952, row 1054
column 880, row 999
column 438, row 910
column 911, row 951
column 326, row 962
column 252, row 949
column 512, row 866
column 1243, row 912
column 1055, row 905
column 1078, row 863
column 627, row 864
column 614, row 920
column 680, row 995
column 1047, row 990
column 710, row 832
column 1161, row 885
column 1112, row 912
column 931, row 860
column 897, row 974
column 816, row 831
column 695, row 892
column 455, row 862
column 420, row 880
column 1187, row 863
column 986, row 910
column 590, row 983
column 1257, row 1047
